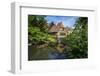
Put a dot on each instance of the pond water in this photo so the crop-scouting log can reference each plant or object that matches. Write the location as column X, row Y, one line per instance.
column 56, row 55
column 44, row 54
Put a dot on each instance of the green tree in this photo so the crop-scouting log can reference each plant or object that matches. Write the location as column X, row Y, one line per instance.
column 38, row 31
column 38, row 21
column 77, row 41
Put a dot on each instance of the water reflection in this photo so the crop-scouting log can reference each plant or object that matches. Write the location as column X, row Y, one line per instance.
column 56, row 55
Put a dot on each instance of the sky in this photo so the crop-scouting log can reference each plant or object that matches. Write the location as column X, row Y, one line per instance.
column 67, row 20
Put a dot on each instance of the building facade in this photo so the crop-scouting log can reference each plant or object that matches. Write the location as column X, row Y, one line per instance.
column 59, row 31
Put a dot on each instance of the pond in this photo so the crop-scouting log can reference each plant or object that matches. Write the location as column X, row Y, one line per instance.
column 44, row 54
column 56, row 55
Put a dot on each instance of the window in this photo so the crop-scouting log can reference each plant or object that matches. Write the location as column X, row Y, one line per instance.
column 62, row 34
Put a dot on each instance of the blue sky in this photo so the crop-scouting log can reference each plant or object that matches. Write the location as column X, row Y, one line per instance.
column 67, row 20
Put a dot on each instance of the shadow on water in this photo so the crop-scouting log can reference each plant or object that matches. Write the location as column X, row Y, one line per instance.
column 44, row 54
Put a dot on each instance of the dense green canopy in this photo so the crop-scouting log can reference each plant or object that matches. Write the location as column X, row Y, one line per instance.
column 77, row 41
column 38, row 30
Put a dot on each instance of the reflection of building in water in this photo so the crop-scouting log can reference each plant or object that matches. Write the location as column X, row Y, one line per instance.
column 60, row 31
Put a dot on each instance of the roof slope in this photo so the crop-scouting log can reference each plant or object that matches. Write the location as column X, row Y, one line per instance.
column 56, row 28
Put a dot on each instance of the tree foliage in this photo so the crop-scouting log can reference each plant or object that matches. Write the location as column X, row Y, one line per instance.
column 77, row 41
column 38, row 31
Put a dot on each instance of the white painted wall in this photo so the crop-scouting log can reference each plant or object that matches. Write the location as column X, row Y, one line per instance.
column 5, row 42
